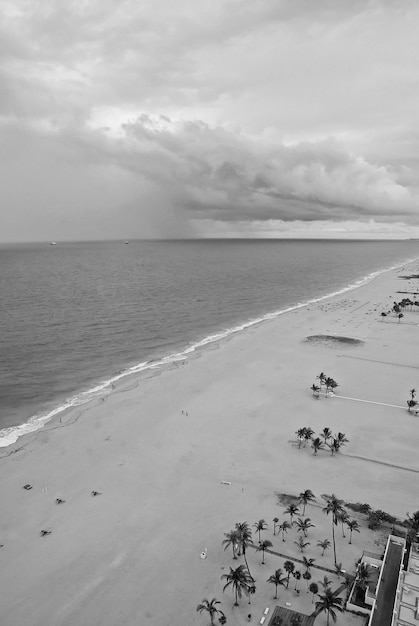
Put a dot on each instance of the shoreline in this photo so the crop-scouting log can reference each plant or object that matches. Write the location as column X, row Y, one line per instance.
column 101, row 389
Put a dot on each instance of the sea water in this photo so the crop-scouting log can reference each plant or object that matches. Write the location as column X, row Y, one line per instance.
column 77, row 317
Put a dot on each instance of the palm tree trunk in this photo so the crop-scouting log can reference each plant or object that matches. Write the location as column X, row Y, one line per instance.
column 245, row 560
column 333, row 537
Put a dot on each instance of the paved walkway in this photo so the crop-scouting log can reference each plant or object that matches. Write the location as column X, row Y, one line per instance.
column 293, row 558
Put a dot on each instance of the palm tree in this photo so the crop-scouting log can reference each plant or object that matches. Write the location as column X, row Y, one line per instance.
column 301, row 543
column 275, row 521
column 245, row 539
column 330, row 384
column 232, row 539
column 263, row 545
column 353, row 525
column 300, row 436
column 324, row 545
column 305, row 497
column 341, row 438
column 362, row 576
column 259, row 526
column 307, row 577
column 322, row 378
column 277, row 579
column 325, row 583
column 326, row 434
column 308, row 563
column 400, row 315
column 239, row 579
column 315, row 389
column 308, row 433
column 314, row 588
column 289, row 567
column 338, row 569
column 335, row 507
column 284, row 528
column 297, row 576
column 329, row 603
column 210, row 607
column 291, row 511
column 343, row 517
column 251, row 589
column 333, row 445
column 303, row 525
column 317, row 445
column 412, row 402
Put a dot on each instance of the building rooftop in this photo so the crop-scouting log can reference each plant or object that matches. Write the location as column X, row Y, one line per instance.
column 286, row 617
column 386, row 595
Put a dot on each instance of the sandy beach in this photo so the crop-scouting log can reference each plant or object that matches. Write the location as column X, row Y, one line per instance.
column 159, row 447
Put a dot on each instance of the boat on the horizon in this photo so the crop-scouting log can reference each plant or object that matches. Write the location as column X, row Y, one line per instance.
column 52, row 243
column 126, row 242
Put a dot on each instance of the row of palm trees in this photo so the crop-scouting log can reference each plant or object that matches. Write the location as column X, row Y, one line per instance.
column 334, row 506
column 240, row 579
column 241, row 582
column 398, row 307
column 325, row 439
column 338, row 514
column 240, row 538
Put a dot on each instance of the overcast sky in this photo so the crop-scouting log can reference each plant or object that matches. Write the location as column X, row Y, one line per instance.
column 156, row 118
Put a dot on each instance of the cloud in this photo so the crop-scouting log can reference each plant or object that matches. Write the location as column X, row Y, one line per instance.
column 164, row 118
column 230, row 176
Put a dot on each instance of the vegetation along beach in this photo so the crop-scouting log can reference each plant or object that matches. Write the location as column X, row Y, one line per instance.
column 293, row 442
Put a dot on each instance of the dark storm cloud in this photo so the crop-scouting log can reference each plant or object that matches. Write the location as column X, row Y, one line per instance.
column 199, row 110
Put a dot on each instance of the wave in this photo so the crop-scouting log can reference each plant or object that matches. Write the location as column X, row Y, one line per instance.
column 10, row 435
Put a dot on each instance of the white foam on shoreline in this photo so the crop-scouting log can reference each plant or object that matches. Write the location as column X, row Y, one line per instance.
column 10, row 435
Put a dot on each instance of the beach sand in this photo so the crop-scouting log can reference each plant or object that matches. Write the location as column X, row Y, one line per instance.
column 158, row 448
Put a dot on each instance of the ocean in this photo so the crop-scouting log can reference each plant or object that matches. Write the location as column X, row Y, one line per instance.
column 77, row 317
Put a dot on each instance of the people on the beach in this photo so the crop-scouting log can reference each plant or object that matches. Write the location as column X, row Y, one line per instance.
column 59, row 501
column 96, row 493
column 45, row 532
column 27, row 486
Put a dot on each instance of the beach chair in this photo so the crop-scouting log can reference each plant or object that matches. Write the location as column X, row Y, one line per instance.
column 262, row 620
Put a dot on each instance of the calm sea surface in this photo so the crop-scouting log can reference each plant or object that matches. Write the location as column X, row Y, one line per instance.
column 75, row 315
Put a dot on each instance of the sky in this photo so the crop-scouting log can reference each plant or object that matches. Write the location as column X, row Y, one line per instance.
column 123, row 119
